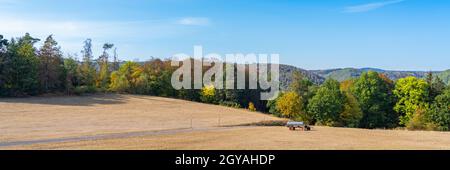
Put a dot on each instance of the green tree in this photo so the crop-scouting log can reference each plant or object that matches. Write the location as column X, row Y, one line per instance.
column 327, row 104
column 302, row 86
column 3, row 43
column 374, row 94
column 412, row 94
column 144, row 83
column 272, row 106
column 167, row 90
column 51, row 66
column 87, row 69
column 352, row 113
column 20, row 67
column 290, row 105
column 158, row 75
column 439, row 114
column 435, row 86
column 3, row 60
column 72, row 74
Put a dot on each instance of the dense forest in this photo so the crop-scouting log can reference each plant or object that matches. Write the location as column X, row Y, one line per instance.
column 369, row 100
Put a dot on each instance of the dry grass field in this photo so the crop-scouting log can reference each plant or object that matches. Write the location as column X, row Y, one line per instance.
column 55, row 117
column 144, row 122
column 267, row 138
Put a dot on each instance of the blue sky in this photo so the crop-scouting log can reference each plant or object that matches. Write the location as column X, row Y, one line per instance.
column 311, row 34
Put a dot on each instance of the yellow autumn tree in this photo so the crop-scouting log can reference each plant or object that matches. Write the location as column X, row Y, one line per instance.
column 126, row 77
column 251, row 107
column 290, row 105
column 208, row 94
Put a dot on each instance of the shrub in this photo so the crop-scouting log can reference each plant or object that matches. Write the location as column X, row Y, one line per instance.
column 418, row 121
column 80, row 90
column 251, row 107
column 208, row 94
column 230, row 104
column 269, row 123
column 421, row 121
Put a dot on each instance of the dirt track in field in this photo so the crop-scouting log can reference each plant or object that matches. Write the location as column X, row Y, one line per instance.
column 262, row 138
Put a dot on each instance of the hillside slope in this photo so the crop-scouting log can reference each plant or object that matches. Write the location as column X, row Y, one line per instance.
column 348, row 73
column 445, row 76
column 286, row 76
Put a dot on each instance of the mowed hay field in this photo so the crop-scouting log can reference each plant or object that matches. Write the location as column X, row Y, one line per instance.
column 38, row 118
column 144, row 122
column 268, row 138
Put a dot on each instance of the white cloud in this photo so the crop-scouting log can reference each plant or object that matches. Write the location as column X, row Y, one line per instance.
column 71, row 34
column 370, row 6
column 197, row 21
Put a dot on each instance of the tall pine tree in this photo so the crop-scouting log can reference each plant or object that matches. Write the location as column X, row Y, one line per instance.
column 51, row 66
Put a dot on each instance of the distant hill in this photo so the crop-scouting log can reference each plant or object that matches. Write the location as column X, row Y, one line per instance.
column 445, row 76
column 347, row 73
column 341, row 74
column 286, row 76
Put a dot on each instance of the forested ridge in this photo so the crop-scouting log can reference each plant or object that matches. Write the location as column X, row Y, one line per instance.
column 370, row 99
column 348, row 73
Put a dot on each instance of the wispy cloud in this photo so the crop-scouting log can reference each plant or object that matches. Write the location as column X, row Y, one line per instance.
column 71, row 33
column 197, row 21
column 5, row 4
column 370, row 6
column 93, row 29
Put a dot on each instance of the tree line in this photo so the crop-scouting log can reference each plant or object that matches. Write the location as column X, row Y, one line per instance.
column 26, row 70
column 369, row 101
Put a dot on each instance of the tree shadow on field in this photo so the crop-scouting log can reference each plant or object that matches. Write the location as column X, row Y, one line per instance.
column 87, row 100
column 160, row 99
